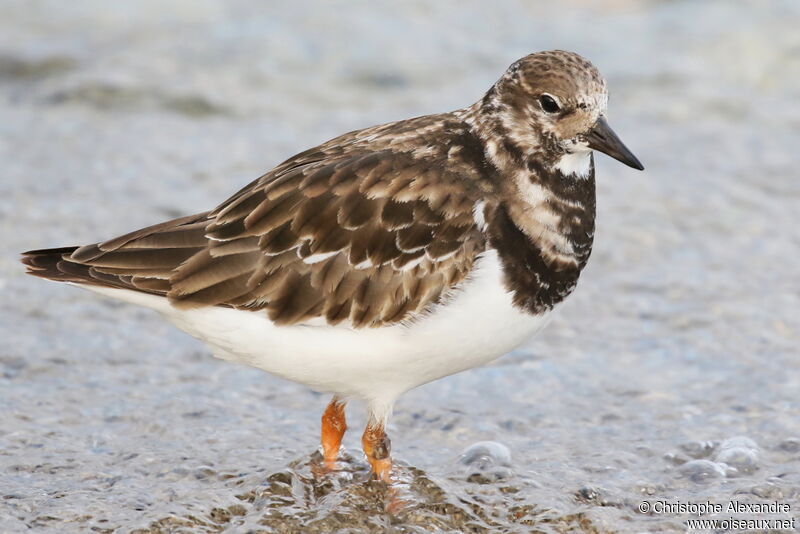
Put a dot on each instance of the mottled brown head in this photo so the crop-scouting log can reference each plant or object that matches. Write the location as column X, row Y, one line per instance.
column 555, row 103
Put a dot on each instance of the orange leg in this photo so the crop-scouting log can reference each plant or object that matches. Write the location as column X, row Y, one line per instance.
column 333, row 428
column 377, row 446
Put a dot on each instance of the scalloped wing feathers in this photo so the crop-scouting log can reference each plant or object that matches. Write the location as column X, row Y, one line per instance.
column 372, row 227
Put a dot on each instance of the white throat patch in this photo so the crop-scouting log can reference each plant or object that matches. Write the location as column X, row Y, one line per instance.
column 575, row 163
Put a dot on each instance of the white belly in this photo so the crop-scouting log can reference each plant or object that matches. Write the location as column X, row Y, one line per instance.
column 477, row 325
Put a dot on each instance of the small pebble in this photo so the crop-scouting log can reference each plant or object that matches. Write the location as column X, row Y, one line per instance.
column 768, row 491
column 738, row 442
column 740, row 453
column 486, row 453
column 744, row 460
column 700, row 471
column 698, row 449
column 486, row 461
column 203, row 472
column 790, row 445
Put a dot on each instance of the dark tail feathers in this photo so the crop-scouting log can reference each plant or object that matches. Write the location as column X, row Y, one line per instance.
column 48, row 263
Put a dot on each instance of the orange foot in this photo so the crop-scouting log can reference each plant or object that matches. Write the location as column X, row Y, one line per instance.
column 333, row 429
column 377, row 446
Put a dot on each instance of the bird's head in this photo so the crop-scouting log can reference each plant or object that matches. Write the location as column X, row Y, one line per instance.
column 555, row 103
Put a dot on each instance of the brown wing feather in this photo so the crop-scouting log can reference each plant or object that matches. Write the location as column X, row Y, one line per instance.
column 360, row 229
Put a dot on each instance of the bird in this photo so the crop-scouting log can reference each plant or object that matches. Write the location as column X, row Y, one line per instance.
column 387, row 257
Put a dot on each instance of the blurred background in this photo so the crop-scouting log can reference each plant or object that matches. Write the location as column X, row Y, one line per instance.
column 673, row 374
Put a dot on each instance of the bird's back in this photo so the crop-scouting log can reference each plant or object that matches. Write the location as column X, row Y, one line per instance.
column 370, row 228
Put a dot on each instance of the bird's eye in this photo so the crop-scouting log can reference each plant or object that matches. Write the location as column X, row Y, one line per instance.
column 549, row 104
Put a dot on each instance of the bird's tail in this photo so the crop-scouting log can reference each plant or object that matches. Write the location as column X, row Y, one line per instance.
column 59, row 265
column 49, row 263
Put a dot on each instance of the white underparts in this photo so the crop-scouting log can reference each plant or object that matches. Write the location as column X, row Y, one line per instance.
column 477, row 323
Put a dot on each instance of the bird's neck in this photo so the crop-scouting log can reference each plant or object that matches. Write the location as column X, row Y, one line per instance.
column 511, row 145
column 555, row 211
column 549, row 193
column 543, row 225
column 543, row 236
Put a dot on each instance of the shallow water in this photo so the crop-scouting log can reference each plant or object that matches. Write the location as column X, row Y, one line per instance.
column 672, row 375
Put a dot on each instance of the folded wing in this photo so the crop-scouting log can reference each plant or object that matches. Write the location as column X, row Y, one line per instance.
column 363, row 236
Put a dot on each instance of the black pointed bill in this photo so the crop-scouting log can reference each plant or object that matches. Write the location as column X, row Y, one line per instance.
column 602, row 138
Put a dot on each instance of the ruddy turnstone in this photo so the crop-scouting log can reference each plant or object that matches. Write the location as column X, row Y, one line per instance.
column 387, row 257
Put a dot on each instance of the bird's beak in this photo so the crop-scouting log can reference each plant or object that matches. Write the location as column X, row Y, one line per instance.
column 601, row 137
